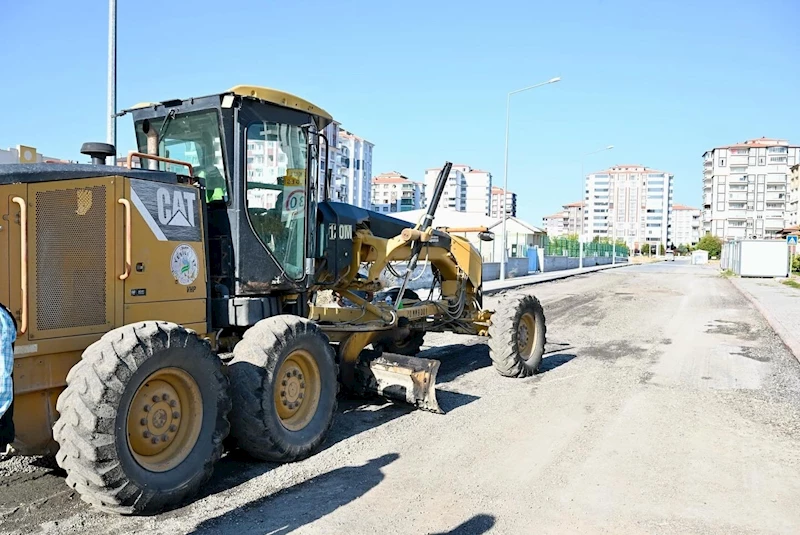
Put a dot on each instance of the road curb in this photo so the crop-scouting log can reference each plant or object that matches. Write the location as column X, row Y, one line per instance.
column 565, row 276
column 791, row 343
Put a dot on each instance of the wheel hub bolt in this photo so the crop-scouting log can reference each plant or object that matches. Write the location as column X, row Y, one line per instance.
column 156, row 399
column 300, row 376
column 164, row 438
column 300, row 395
column 302, row 385
column 176, row 414
column 283, row 394
column 164, row 397
column 285, row 403
column 143, row 421
column 288, row 374
column 283, row 383
column 173, row 428
column 146, row 434
column 154, row 440
column 146, row 408
column 173, row 403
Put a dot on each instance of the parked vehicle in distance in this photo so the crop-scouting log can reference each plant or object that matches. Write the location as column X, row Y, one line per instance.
column 669, row 256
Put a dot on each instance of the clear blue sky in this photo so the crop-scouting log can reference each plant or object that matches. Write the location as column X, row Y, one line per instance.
column 426, row 81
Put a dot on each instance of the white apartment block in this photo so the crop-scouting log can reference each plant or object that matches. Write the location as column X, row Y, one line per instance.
column 393, row 192
column 479, row 188
column 500, row 198
column 745, row 188
column 567, row 221
column 685, row 225
column 331, row 133
column 355, row 169
column 629, row 202
column 454, row 196
column 793, row 209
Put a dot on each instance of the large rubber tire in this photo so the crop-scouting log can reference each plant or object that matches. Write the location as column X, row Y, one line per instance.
column 508, row 356
column 92, row 430
column 258, row 359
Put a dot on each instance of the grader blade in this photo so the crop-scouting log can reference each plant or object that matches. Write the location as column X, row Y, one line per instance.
column 403, row 378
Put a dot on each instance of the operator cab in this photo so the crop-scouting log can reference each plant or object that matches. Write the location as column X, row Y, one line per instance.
column 257, row 151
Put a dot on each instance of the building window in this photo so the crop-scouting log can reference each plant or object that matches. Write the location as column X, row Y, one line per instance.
column 722, row 162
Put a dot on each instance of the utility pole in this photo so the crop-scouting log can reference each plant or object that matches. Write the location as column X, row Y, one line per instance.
column 111, row 98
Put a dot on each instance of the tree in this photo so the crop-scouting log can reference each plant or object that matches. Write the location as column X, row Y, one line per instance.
column 710, row 243
column 683, row 249
column 661, row 249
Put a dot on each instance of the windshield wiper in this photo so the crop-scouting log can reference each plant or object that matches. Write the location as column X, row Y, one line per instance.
column 168, row 119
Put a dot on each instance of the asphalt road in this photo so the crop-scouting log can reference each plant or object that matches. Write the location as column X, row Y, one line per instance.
column 665, row 405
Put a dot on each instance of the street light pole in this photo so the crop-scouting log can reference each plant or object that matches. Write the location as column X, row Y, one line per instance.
column 505, row 170
column 111, row 101
column 582, row 204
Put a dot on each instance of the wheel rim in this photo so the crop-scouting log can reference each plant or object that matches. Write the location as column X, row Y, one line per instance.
column 526, row 333
column 297, row 390
column 164, row 419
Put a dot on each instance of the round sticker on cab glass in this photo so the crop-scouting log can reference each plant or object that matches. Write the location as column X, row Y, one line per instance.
column 184, row 264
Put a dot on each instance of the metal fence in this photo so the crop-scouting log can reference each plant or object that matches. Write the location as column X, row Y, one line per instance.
column 571, row 247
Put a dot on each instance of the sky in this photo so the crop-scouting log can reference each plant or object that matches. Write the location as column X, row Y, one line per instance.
column 426, row 81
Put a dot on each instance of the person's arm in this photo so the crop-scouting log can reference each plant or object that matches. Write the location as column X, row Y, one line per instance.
column 8, row 335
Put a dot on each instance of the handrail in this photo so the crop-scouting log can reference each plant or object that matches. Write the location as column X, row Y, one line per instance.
column 127, row 204
column 23, row 253
column 142, row 155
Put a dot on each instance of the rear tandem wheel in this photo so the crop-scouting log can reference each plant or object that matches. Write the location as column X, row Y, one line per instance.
column 143, row 418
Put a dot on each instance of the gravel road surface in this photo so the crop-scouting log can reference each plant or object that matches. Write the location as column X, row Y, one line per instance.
column 665, row 404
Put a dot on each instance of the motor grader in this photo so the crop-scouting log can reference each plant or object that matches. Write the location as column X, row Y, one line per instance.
column 167, row 304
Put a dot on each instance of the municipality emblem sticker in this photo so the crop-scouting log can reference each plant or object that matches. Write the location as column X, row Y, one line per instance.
column 184, row 264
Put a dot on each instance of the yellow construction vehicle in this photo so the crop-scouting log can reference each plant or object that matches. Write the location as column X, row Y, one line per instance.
column 153, row 298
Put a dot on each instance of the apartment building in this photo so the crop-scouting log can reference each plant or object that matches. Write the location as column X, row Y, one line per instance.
column 501, row 198
column 454, row 196
column 479, row 187
column 630, row 202
column 745, row 188
column 793, row 208
column 354, row 180
column 393, row 192
column 568, row 221
column 555, row 225
column 333, row 169
column 686, row 223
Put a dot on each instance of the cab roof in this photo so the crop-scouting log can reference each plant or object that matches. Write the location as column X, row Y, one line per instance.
column 266, row 94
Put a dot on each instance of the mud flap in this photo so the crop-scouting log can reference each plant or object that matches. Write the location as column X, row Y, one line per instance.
column 402, row 378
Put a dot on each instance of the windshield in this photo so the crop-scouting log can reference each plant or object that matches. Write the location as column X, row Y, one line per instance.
column 193, row 138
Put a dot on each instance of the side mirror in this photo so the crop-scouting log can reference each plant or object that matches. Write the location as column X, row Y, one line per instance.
column 486, row 236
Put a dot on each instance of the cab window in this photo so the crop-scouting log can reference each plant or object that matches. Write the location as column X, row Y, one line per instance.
column 193, row 138
column 276, row 190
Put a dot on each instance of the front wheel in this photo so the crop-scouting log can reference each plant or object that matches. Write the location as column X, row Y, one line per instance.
column 284, row 385
column 143, row 418
column 517, row 337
